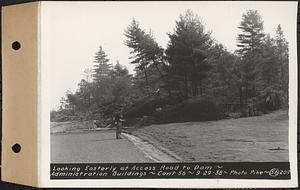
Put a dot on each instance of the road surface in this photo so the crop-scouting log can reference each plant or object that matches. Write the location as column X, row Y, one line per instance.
column 93, row 146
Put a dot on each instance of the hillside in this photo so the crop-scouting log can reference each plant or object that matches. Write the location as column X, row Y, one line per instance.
column 253, row 139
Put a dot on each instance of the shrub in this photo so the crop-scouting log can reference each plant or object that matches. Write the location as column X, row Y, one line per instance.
column 144, row 107
column 269, row 100
column 196, row 109
column 146, row 120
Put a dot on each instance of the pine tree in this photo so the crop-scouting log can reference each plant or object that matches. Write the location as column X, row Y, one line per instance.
column 119, row 70
column 102, row 68
column 282, row 51
column 187, row 54
column 267, row 83
column 223, row 82
column 145, row 51
column 250, row 44
column 270, row 68
column 252, row 32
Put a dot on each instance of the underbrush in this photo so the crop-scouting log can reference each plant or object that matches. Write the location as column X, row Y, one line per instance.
column 156, row 111
column 195, row 109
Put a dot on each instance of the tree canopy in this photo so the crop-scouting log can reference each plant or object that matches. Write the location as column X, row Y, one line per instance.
column 187, row 54
column 194, row 70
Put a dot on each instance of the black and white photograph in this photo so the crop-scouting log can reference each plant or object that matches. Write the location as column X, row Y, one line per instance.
column 169, row 82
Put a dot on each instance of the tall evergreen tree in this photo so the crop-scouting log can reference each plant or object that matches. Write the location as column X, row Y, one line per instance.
column 250, row 43
column 252, row 32
column 102, row 67
column 267, row 82
column 282, row 52
column 145, row 50
column 270, row 67
column 187, row 54
column 119, row 71
column 223, row 82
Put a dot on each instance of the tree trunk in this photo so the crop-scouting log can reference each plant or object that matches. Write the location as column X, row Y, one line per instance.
column 241, row 97
column 186, row 85
column 246, row 93
column 147, row 82
column 194, row 88
column 157, row 68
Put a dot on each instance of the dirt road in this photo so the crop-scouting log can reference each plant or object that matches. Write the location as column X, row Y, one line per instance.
column 93, row 146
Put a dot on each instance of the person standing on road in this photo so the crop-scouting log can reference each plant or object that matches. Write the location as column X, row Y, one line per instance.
column 118, row 120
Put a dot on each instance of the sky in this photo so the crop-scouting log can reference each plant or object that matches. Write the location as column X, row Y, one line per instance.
column 71, row 32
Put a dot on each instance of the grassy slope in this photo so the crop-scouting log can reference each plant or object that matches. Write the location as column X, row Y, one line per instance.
column 262, row 138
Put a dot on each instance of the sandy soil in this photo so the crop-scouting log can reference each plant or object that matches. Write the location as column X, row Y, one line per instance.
column 253, row 139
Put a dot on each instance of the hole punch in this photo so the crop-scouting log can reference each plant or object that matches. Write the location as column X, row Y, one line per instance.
column 16, row 148
column 16, row 45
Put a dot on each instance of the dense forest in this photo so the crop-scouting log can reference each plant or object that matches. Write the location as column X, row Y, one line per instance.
column 194, row 79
